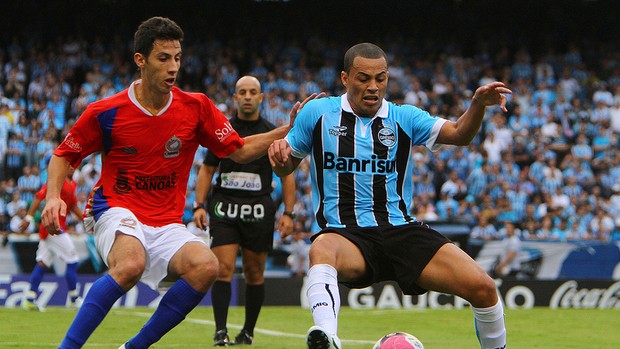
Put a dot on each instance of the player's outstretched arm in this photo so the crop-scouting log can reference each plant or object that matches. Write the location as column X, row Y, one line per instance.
column 54, row 206
column 464, row 129
column 256, row 146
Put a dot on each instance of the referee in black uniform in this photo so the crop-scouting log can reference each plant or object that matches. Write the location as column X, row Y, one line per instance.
column 241, row 213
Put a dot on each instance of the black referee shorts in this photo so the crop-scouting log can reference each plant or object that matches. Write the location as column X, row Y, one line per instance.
column 248, row 221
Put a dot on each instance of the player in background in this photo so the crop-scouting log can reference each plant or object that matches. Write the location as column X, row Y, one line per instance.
column 242, row 213
column 59, row 245
column 147, row 135
column 360, row 146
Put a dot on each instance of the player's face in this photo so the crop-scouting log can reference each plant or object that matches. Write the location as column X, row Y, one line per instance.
column 366, row 83
column 159, row 70
column 248, row 97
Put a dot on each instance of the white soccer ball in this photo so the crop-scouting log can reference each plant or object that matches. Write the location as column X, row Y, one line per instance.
column 398, row 340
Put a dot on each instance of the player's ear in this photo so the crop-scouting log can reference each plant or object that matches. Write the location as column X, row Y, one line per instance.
column 139, row 59
column 344, row 77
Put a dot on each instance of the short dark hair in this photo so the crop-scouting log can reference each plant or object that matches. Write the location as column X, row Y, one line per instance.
column 155, row 28
column 365, row 50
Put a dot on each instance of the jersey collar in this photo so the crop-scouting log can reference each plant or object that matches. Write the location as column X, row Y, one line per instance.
column 346, row 106
column 134, row 100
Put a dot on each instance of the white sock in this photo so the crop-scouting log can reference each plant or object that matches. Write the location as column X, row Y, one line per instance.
column 490, row 327
column 324, row 297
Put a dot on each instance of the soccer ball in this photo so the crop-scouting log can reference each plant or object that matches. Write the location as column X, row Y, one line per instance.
column 398, row 340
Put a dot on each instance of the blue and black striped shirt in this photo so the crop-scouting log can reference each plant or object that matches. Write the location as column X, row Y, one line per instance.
column 361, row 167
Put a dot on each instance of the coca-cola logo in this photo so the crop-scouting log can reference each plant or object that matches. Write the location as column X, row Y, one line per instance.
column 568, row 295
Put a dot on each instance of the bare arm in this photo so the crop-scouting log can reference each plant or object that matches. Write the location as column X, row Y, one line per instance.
column 464, row 129
column 282, row 163
column 203, row 185
column 256, row 146
column 54, row 206
column 506, row 262
column 285, row 225
column 34, row 206
column 77, row 212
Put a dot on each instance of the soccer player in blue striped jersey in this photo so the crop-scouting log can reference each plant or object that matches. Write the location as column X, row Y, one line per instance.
column 360, row 149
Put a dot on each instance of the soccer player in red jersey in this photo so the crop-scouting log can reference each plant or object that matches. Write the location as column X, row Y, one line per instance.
column 147, row 135
column 59, row 245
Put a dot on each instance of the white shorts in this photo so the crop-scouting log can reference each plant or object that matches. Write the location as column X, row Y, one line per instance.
column 57, row 245
column 160, row 243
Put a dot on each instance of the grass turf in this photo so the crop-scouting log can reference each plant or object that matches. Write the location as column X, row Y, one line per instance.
column 285, row 327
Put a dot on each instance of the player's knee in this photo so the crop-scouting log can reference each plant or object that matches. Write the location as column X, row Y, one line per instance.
column 322, row 252
column 484, row 292
column 202, row 274
column 128, row 273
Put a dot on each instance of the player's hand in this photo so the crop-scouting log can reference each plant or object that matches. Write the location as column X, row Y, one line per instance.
column 24, row 225
column 297, row 107
column 200, row 218
column 279, row 153
column 50, row 217
column 285, row 226
column 491, row 94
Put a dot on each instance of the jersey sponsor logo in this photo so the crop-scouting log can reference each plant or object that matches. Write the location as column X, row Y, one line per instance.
column 162, row 182
column 172, row 147
column 128, row 222
column 241, row 181
column 71, row 143
column 387, row 136
column 372, row 165
column 338, row 131
column 122, row 182
column 245, row 212
column 129, row 150
column 224, row 132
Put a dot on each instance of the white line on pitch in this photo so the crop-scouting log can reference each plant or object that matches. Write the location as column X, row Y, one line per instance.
column 238, row 327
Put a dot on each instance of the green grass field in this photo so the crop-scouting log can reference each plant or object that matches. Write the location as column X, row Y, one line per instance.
column 285, row 327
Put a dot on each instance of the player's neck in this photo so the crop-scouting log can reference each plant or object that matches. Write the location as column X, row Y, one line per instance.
column 149, row 100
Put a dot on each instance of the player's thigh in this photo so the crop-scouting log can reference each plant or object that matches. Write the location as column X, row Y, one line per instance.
column 337, row 251
column 127, row 252
column 120, row 239
column 453, row 271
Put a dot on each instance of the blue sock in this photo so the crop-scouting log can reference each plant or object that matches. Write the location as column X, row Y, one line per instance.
column 180, row 299
column 71, row 276
column 35, row 278
column 98, row 302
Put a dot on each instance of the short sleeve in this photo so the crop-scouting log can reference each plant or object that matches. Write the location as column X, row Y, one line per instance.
column 215, row 131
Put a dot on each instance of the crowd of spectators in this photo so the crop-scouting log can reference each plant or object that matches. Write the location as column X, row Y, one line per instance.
column 551, row 164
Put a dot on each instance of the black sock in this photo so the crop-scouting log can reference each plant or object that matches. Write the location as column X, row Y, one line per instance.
column 220, row 297
column 254, row 297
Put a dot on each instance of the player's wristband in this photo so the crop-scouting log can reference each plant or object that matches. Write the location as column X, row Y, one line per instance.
column 197, row 206
column 29, row 218
column 290, row 214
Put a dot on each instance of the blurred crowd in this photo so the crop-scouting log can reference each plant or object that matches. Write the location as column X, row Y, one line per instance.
column 551, row 164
